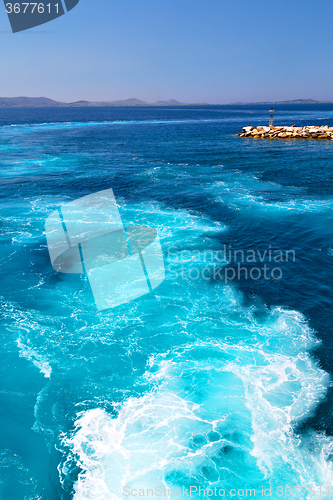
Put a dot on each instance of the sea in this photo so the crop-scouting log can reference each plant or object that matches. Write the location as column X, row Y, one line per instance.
column 218, row 383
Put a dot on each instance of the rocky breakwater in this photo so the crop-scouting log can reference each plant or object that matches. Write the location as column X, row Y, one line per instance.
column 309, row 132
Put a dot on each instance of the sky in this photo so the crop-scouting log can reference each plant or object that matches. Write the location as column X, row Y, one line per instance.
column 214, row 51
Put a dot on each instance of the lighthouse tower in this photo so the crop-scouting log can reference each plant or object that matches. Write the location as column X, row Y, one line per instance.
column 271, row 111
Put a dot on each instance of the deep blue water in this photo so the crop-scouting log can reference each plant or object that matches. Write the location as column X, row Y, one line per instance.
column 206, row 381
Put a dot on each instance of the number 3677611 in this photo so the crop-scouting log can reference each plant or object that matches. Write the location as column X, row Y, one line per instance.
column 31, row 8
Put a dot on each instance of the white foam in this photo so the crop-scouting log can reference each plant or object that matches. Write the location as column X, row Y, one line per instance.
column 244, row 397
column 246, row 192
column 37, row 359
column 222, row 405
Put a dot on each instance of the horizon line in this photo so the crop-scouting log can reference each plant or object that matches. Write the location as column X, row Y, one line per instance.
column 24, row 101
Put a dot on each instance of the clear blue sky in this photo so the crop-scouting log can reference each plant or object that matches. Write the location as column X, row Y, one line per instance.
column 215, row 51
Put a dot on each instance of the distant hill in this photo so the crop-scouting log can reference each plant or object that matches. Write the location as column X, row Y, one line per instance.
column 78, row 103
column 301, row 101
column 27, row 102
column 295, row 101
column 170, row 102
column 44, row 102
column 125, row 102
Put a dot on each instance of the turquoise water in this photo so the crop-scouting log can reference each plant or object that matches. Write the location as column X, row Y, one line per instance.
column 206, row 382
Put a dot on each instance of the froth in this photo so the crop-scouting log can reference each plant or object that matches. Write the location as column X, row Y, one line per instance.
column 218, row 414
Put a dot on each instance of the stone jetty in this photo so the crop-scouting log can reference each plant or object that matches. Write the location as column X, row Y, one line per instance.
column 293, row 132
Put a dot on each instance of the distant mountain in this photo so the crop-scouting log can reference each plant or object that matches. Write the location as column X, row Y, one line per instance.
column 78, row 103
column 44, row 102
column 125, row 102
column 27, row 102
column 170, row 102
column 137, row 102
column 295, row 101
column 300, row 101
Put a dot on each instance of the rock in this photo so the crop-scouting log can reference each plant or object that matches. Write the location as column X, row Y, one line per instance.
column 307, row 132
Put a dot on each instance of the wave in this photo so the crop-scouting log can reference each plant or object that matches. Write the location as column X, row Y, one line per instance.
column 8, row 130
column 247, row 192
column 220, row 414
column 38, row 360
column 224, row 388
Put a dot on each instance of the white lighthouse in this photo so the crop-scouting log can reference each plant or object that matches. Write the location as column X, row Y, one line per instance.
column 271, row 111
